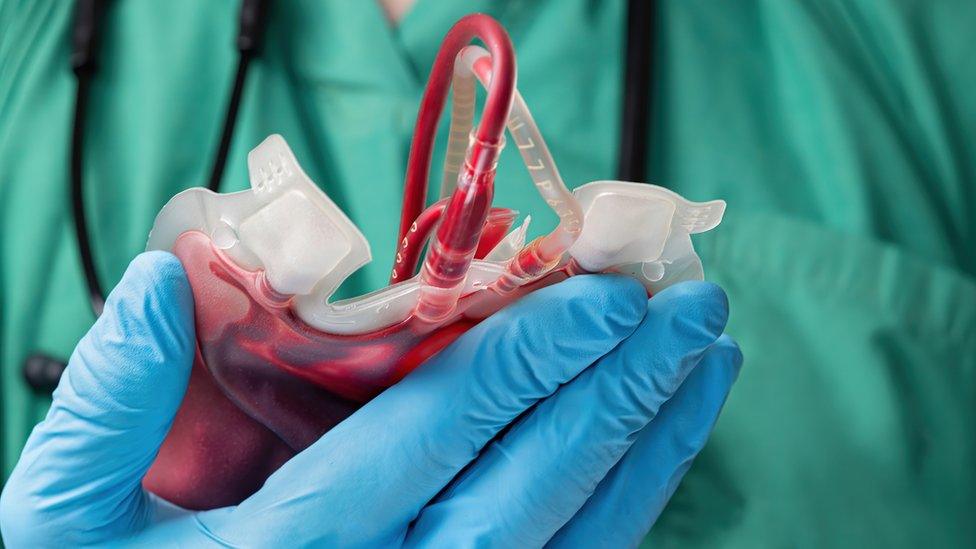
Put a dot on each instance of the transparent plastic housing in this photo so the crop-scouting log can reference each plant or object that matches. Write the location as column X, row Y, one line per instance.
column 278, row 363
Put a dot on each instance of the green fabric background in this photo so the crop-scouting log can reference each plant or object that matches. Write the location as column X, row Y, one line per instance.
column 842, row 133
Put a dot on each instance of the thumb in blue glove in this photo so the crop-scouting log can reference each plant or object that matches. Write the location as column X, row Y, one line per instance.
column 80, row 473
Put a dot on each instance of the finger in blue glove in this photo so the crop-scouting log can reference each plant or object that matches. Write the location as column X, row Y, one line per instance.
column 78, row 481
column 531, row 481
column 630, row 498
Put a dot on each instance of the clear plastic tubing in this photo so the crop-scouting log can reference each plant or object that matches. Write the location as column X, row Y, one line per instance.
column 455, row 242
column 541, row 255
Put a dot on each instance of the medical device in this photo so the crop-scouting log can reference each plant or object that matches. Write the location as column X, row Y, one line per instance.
column 279, row 363
column 42, row 371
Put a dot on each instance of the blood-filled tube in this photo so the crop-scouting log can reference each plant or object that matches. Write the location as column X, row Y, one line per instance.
column 494, row 115
column 454, row 245
column 456, row 240
column 499, row 220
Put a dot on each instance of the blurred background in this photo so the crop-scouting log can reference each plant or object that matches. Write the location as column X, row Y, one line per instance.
column 842, row 134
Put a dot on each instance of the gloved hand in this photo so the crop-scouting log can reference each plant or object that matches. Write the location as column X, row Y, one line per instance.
column 568, row 417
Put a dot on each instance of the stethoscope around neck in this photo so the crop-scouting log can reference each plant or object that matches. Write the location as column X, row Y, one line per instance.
column 42, row 372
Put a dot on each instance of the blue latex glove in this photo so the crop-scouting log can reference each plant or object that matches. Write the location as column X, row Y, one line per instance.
column 606, row 397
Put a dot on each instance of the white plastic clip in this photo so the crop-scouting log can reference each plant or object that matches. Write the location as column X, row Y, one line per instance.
column 643, row 230
column 285, row 225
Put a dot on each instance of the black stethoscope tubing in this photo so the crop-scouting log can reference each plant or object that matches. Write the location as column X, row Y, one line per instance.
column 88, row 21
column 42, row 372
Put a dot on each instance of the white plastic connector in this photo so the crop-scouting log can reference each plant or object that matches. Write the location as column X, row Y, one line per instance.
column 643, row 230
column 285, row 225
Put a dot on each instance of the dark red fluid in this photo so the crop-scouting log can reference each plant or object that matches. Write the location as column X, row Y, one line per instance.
column 265, row 385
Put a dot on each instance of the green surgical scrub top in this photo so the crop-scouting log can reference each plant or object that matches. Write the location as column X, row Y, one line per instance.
column 842, row 133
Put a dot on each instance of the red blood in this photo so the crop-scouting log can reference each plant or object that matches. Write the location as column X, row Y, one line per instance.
column 265, row 385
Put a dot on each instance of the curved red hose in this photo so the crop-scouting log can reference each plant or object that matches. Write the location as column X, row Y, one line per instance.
column 493, row 117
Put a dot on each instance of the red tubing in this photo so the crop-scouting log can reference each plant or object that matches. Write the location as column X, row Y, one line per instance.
column 470, row 203
column 410, row 246
column 498, row 223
